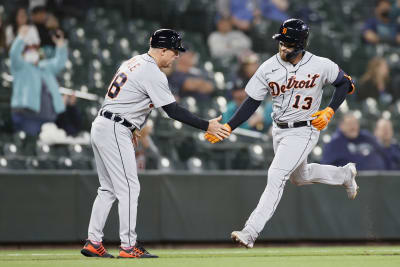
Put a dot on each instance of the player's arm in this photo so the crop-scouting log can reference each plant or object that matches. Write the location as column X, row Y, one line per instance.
column 242, row 114
column 344, row 86
column 183, row 115
column 17, row 47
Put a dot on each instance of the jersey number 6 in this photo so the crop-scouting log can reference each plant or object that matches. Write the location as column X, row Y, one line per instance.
column 308, row 101
column 116, row 85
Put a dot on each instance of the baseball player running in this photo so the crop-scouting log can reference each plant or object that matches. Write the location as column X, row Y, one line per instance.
column 294, row 78
column 137, row 88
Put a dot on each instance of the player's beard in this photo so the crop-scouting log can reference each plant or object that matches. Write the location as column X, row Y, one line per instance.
column 283, row 55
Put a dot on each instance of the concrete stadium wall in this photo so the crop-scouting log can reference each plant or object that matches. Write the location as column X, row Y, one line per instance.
column 55, row 207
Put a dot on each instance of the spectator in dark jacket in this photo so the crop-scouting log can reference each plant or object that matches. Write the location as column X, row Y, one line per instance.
column 349, row 144
column 187, row 80
column 380, row 28
column 71, row 119
column 384, row 134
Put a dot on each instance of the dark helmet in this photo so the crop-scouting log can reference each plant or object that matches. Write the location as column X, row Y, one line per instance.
column 166, row 38
column 293, row 31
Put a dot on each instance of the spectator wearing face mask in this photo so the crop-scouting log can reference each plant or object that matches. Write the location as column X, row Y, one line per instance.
column 35, row 98
column 381, row 28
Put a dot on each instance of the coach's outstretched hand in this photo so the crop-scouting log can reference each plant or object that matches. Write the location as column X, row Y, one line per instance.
column 323, row 118
column 214, row 139
column 217, row 132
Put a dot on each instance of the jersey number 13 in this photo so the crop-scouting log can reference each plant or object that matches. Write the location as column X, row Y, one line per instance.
column 307, row 102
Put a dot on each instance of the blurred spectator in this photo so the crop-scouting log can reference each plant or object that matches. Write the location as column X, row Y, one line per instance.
column 260, row 120
column 71, row 119
column 35, row 98
column 274, row 9
column 226, row 42
column 243, row 13
column 376, row 83
column 384, row 134
column 188, row 80
column 381, row 29
column 40, row 18
column 249, row 63
column 349, row 144
column 3, row 45
column 18, row 18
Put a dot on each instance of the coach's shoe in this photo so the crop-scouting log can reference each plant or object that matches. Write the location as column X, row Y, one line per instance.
column 137, row 251
column 351, row 185
column 243, row 238
column 92, row 250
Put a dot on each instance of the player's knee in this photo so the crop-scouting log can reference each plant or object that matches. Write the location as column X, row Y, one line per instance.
column 277, row 174
column 106, row 193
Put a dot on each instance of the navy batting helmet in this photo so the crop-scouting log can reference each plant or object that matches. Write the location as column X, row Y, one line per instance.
column 293, row 31
column 166, row 38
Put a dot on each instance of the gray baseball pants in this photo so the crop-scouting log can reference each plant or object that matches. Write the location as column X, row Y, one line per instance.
column 116, row 167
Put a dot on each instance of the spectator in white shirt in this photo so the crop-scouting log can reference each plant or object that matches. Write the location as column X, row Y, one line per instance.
column 226, row 42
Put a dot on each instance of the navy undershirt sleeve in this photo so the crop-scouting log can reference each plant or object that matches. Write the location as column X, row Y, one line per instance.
column 183, row 115
column 243, row 113
column 342, row 88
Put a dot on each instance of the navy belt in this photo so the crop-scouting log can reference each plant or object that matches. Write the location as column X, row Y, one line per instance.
column 114, row 117
column 285, row 125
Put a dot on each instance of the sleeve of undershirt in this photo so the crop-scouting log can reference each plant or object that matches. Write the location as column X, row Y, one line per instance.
column 183, row 115
column 243, row 113
column 342, row 85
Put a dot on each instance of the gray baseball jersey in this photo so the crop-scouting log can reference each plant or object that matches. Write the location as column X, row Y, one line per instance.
column 296, row 94
column 137, row 88
column 296, row 90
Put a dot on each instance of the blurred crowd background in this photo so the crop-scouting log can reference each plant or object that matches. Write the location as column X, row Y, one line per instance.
column 57, row 59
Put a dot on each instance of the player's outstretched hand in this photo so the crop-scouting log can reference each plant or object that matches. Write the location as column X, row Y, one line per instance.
column 212, row 138
column 323, row 118
column 217, row 132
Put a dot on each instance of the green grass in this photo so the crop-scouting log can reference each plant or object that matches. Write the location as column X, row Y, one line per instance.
column 364, row 256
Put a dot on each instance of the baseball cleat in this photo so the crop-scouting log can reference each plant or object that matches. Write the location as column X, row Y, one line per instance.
column 137, row 251
column 92, row 250
column 351, row 185
column 243, row 238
